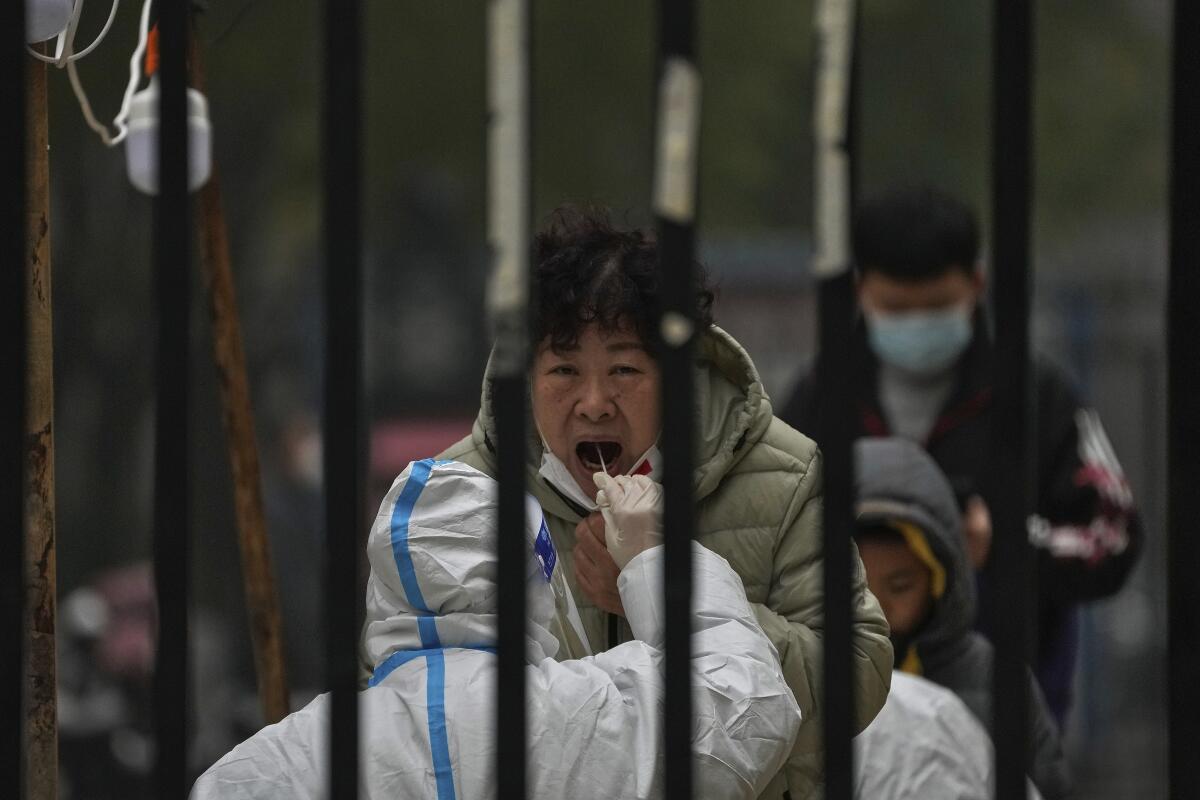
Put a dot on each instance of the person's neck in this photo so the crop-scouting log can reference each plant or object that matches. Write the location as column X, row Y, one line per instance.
column 916, row 380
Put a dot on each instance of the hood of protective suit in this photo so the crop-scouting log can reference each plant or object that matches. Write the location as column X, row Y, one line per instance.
column 432, row 550
column 732, row 410
column 924, row 743
column 898, row 481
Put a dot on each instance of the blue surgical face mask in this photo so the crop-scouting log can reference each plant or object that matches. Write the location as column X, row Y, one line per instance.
column 923, row 343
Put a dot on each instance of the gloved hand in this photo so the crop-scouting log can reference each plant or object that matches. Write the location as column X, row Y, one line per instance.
column 632, row 510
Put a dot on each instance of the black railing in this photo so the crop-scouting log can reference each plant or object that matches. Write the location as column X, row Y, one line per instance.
column 509, row 212
column 13, row 65
column 172, row 469
column 674, row 208
column 341, row 126
column 834, row 133
column 1183, row 416
column 1010, row 493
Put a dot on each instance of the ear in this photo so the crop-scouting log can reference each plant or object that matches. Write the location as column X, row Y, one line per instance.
column 979, row 278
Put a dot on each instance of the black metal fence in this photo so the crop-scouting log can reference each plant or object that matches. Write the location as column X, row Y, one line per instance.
column 1183, row 421
column 674, row 204
column 173, row 278
column 1010, row 490
column 341, row 127
column 13, row 63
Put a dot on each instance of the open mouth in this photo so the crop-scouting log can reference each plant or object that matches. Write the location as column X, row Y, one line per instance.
column 598, row 456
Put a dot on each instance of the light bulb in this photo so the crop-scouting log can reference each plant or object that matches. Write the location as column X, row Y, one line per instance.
column 45, row 19
column 141, row 143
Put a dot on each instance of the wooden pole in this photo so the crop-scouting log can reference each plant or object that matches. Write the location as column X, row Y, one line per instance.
column 41, row 713
column 262, row 599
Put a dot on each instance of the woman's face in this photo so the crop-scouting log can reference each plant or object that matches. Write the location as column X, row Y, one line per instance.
column 598, row 400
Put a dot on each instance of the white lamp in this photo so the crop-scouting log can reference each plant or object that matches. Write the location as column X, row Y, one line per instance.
column 45, row 19
column 141, row 144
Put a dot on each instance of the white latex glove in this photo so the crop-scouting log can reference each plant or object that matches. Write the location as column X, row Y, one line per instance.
column 632, row 510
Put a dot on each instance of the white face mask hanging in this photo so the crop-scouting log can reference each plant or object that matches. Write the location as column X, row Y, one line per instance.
column 557, row 475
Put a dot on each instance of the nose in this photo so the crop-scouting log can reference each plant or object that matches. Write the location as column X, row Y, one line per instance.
column 595, row 403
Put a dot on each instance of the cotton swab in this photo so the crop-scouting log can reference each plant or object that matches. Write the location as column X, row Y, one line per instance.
column 601, row 455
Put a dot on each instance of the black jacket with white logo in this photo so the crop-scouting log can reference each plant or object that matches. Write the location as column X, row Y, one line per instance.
column 1086, row 531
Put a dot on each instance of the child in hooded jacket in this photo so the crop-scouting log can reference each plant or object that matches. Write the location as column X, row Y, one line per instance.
column 909, row 535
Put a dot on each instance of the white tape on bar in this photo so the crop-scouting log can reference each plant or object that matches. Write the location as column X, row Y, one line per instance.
column 835, row 30
column 508, row 172
column 678, row 136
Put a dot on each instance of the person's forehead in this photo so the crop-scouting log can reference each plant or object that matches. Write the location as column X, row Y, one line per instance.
column 932, row 291
column 616, row 342
column 625, row 345
column 890, row 555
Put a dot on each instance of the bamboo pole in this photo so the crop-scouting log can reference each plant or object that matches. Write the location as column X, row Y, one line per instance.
column 262, row 600
column 41, row 714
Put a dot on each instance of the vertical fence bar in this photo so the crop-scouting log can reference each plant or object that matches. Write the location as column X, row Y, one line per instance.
column 1183, row 416
column 674, row 205
column 1011, row 494
column 835, row 26
column 341, row 144
column 172, row 266
column 509, row 213
column 13, row 63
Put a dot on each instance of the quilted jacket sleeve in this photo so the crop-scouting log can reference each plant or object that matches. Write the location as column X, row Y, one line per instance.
column 792, row 618
column 744, row 719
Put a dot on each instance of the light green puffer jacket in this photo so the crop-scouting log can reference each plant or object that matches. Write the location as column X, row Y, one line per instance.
column 758, row 489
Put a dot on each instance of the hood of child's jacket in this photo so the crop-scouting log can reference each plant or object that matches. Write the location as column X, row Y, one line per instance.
column 898, row 480
column 731, row 410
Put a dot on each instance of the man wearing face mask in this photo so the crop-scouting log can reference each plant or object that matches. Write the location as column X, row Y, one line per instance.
column 923, row 370
column 594, row 390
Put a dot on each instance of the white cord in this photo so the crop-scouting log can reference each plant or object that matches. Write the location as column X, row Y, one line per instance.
column 86, row 107
column 57, row 59
column 66, row 40
column 112, row 14
column 135, row 75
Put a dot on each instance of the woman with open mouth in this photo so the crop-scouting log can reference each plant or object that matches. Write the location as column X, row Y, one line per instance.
column 594, row 388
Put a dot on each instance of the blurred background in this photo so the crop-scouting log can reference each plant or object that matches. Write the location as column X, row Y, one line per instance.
column 1099, row 259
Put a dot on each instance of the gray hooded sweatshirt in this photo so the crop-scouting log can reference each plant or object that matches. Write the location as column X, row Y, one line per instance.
column 899, row 482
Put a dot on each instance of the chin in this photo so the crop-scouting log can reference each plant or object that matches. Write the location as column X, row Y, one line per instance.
column 583, row 473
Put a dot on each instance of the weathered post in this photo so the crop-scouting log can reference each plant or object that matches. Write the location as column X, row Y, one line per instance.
column 41, row 713
column 229, row 356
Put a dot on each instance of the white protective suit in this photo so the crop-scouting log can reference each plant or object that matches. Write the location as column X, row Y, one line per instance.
column 594, row 723
column 925, row 744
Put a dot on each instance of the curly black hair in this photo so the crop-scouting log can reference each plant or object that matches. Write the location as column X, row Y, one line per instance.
column 588, row 271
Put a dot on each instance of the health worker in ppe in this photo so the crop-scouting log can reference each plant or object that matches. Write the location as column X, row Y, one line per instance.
column 925, row 745
column 594, row 723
